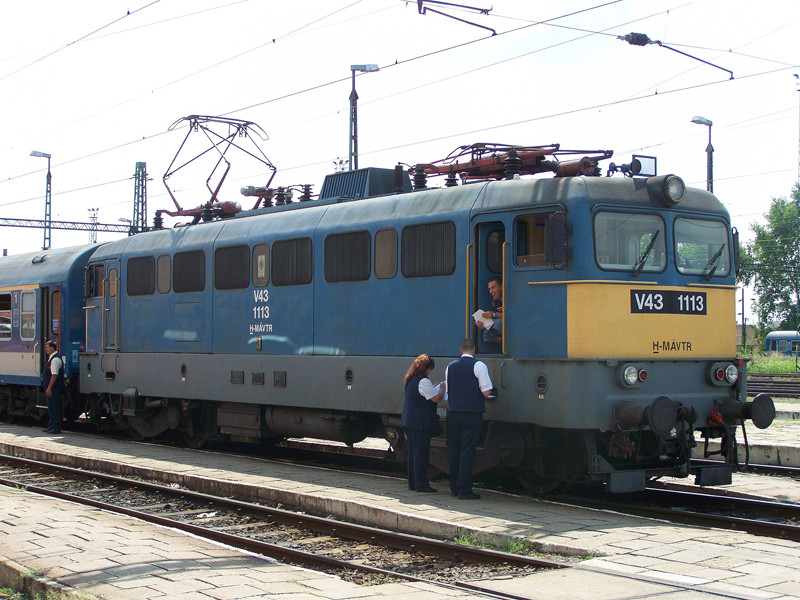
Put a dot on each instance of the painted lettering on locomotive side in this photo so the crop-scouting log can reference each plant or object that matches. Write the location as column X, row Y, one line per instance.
column 260, row 311
column 671, row 346
column 668, row 302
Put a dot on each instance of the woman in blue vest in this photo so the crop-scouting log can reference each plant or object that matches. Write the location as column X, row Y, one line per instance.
column 420, row 420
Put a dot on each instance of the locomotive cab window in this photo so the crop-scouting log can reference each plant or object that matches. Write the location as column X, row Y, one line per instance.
column 5, row 316
column 94, row 281
column 529, row 237
column 629, row 242
column 701, row 247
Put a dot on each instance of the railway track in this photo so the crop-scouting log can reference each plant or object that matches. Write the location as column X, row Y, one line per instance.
column 777, row 385
column 354, row 552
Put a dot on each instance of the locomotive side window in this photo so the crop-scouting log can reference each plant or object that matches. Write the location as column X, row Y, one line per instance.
column 260, row 265
column 629, row 242
column 113, row 282
column 529, row 236
column 27, row 328
column 94, row 281
column 292, row 262
column 164, row 274
column 5, row 316
column 347, row 256
column 701, row 247
column 189, row 272
column 141, row 276
column 232, row 268
column 494, row 250
column 386, row 253
column 428, row 250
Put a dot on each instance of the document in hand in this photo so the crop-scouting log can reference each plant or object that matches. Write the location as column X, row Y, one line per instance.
column 479, row 318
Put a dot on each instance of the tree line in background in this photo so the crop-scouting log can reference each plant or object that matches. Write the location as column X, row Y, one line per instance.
column 771, row 263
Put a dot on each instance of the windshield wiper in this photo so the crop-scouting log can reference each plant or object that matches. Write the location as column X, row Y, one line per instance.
column 713, row 261
column 637, row 268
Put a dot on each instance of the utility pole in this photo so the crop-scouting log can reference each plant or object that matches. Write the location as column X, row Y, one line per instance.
column 93, row 221
column 139, row 222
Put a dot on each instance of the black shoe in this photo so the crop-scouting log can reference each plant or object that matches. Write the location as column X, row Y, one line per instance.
column 428, row 489
column 469, row 496
column 54, row 431
column 48, row 430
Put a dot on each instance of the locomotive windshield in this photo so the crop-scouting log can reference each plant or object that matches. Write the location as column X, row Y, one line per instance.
column 701, row 247
column 629, row 242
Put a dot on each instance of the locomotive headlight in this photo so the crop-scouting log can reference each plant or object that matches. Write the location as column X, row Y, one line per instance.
column 723, row 373
column 630, row 375
column 668, row 189
column 674, row 188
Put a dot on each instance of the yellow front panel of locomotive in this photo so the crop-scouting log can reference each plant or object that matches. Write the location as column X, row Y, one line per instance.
column 641, row 321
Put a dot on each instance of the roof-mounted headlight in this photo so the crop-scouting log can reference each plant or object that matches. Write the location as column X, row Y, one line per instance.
column 668, row 189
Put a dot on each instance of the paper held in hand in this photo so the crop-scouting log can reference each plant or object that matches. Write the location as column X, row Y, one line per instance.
column 479, row 318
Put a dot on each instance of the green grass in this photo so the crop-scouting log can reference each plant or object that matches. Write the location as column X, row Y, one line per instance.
column 771, row 363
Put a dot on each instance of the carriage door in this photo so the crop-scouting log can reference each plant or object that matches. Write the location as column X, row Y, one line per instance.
column 111, row 304
column 489, row 238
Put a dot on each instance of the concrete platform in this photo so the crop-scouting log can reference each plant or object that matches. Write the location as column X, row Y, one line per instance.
column 108, row 556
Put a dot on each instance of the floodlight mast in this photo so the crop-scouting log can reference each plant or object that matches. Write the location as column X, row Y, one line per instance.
column 47, row 200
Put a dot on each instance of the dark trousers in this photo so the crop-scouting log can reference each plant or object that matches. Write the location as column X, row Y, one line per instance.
column 419, row 454
column 463, row 435
column 54, row 411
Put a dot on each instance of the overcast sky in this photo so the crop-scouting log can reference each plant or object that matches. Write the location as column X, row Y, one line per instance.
column 97, row 84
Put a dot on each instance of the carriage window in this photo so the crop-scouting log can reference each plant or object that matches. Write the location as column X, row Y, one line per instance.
column 347, row 256
column 292, row 262
column 189, row 273
column 27, row 328
column 386, row 254
column 141, row 276
column 701, row 247
column 232, row 268
column 529, row 236
column 260, row 265
column 5, row 316
column 428, row 250
column 55, row 312
column 629, row 242
column 795, row 346
column 164, row 274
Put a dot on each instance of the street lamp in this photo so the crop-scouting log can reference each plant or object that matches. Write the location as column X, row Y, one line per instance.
column 353, row 147
column 47, row 203
column 709, row 153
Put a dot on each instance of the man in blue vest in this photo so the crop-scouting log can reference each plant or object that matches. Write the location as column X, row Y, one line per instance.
column 53, row 384
column 468, row 384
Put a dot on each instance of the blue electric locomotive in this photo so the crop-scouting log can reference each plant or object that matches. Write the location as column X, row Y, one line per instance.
column 299, row 320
